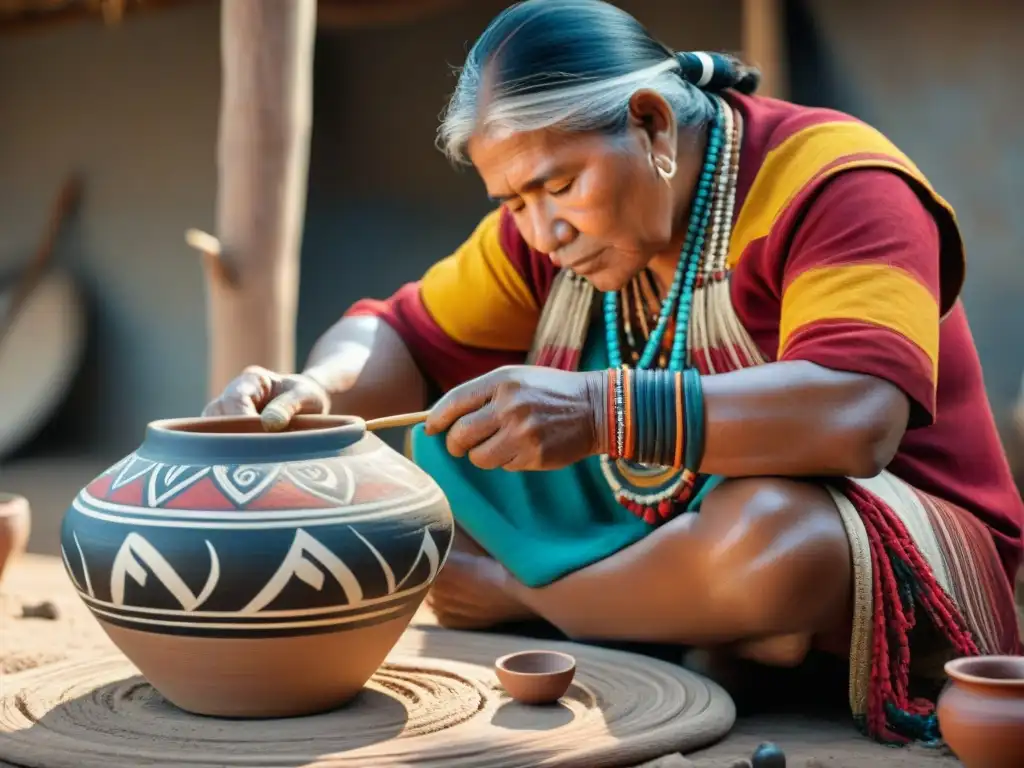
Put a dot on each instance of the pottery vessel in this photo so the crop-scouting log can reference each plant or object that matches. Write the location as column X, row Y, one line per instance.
column 254, row 574
column 15, row 526
column 981, row 711
column 536, row 677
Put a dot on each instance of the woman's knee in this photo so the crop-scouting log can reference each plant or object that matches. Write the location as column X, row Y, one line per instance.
column 777, row 555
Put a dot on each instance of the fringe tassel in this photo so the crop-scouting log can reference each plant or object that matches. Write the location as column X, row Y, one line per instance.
column 716, row 332
column 903, row 582
column 562, row 330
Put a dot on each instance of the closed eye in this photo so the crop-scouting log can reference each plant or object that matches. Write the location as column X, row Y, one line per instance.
column 561, row 190
column 517, row 204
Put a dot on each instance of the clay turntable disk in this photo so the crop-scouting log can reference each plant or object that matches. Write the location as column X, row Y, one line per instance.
column 436, row 702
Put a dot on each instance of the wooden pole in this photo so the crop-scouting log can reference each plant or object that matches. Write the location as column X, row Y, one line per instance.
column 263, row 163
column 764, row 44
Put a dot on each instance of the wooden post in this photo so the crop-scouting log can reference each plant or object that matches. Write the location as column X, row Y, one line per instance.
column 263, row 163
column 764, row 44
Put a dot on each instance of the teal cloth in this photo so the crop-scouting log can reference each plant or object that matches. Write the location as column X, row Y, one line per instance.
column 540, row 525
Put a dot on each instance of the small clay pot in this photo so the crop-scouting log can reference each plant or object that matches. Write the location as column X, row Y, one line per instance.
column 981, row 711
column 15, row 526
column 536, row 677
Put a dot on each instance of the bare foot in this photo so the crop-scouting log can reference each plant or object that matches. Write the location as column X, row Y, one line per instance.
column 469, row 593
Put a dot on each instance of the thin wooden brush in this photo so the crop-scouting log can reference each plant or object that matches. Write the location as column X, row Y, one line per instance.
column 399, row 420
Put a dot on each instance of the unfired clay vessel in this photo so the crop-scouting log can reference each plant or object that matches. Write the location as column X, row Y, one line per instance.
column 981, row 711
column 536, row 677
column 254, row 574
column 15, row 526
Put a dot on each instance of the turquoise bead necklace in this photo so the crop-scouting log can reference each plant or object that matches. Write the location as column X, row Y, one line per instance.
column 650, row 491
column 680, row 293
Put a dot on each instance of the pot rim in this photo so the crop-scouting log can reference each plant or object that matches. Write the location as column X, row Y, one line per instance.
column 319, row 423
column 955, row 670
column 190, row 440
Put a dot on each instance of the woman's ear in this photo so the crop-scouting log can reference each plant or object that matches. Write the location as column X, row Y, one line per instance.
column 650, row 114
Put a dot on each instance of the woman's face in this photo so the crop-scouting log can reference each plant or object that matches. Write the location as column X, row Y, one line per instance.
column 594, row 203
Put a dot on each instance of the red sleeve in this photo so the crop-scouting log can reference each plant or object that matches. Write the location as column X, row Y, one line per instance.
column 861, row 285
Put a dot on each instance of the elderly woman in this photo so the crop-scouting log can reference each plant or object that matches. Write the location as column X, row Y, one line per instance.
column 705, row 378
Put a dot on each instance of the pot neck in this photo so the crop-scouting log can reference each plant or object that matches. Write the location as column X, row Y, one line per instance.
column 242, row 440
column 995, row 689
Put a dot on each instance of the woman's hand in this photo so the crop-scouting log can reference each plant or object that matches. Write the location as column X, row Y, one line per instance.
column 524, row 418
column 275, row 397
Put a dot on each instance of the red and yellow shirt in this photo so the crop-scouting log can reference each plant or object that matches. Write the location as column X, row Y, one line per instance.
column 842, row 254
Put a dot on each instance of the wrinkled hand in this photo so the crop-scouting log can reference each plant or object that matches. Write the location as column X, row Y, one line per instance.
column 524, row 418
column 275, row 397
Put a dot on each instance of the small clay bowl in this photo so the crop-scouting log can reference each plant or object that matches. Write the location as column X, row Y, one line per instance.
column 536, row 677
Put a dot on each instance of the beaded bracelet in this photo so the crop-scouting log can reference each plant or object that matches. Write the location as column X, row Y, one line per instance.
column 656, row 417
column 628, row 403
column 616, row 415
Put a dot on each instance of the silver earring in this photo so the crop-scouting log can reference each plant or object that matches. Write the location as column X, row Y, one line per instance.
column 666, row 173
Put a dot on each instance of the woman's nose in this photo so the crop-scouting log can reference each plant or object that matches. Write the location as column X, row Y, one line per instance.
column 550, row 232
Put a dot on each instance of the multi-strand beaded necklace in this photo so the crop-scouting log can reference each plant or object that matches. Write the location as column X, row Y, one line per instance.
column 696, row 316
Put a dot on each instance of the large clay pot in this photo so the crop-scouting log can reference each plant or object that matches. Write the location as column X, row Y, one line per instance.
column 253, row 574
column 981, row 711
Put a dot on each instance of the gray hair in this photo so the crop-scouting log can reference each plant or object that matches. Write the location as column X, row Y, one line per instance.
column 570, row 65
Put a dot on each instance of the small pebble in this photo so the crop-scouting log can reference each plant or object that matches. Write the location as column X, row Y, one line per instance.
column 43, row 610
column 741, row 763
column 768, row 755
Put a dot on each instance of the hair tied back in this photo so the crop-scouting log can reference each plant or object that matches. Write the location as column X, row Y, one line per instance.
column 716, row 72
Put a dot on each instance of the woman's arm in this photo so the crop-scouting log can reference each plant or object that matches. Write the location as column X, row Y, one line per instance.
column 796, row 418
column 367, row 369
column 787, row 419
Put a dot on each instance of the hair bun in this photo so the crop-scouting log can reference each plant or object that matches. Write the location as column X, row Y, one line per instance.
column 716, row 72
